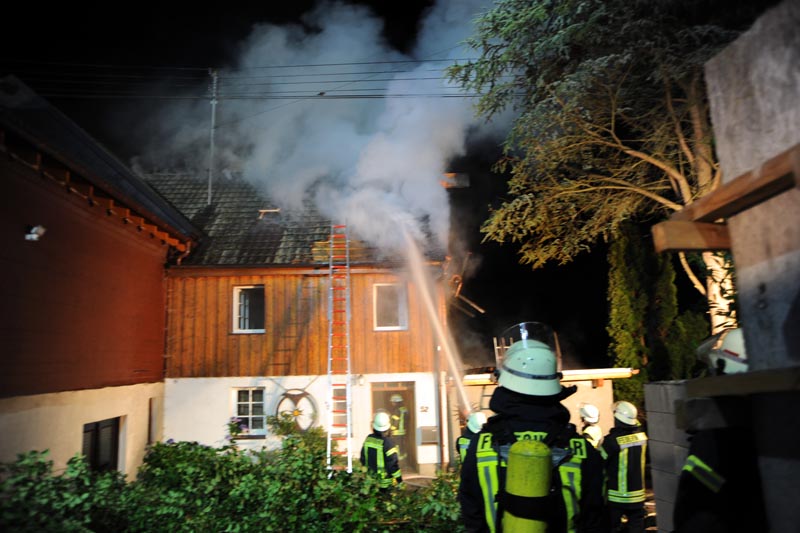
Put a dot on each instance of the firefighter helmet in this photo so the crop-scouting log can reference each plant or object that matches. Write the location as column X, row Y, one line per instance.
column 626, row 413
column 529, row 367
column 381, row 422
column 590, row 413
column 475, row 421
column 396, row 398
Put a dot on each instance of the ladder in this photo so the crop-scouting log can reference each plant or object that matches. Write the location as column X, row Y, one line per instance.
column 340, row 433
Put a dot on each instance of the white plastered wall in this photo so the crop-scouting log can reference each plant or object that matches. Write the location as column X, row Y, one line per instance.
column 600, row 394
column 55, row 422
column 198, row 409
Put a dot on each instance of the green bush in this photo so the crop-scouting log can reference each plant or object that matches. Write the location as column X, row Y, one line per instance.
column 186, row 486
column 33, row 498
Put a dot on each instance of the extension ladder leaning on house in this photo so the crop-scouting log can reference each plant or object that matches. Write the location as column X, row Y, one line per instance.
column 340, row 429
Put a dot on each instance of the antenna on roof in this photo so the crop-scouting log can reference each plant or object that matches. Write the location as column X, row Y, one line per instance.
column 213, row 74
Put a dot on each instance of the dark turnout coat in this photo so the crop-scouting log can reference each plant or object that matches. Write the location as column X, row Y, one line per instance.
column 539, row 418
column 625, row 450
column 379, row 455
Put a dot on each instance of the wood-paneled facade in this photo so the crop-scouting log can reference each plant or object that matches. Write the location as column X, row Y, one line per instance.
column 201, row 342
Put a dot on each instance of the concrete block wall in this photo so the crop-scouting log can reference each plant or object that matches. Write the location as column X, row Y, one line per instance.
column 668, row 446
column 754, row 95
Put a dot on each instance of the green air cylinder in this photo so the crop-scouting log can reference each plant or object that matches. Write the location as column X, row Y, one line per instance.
column 527, row 475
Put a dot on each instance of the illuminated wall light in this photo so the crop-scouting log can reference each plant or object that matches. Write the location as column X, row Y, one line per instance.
column 34, row 233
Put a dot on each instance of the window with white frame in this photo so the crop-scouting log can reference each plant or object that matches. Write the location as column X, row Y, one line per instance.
column 390, row 307
column 248, row 411
column 248, row 309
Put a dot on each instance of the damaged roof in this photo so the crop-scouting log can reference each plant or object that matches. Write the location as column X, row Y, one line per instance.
column 244, row 227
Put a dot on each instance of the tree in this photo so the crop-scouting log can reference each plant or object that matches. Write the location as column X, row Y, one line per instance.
column 612, row 119
column 647, row 328
column 627, row 317
column 673, row 335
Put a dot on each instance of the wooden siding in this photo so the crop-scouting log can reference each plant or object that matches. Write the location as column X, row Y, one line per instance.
column 84, row 306
column 200, row 341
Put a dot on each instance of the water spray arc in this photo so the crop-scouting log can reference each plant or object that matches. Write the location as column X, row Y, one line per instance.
column 416, row 264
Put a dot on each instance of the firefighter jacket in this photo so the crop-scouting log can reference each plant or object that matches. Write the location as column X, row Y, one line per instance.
column 593, row 434
column 576, row 502
column 379, row 455
column 625, row 450
column 462, row 444
column 399, row 418
column 720, row 487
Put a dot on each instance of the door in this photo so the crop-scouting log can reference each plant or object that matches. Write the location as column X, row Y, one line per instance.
column 397, row 398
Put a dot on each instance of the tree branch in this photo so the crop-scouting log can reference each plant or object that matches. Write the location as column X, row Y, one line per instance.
column 626, row 186
column 689, row 272
column 677, row 124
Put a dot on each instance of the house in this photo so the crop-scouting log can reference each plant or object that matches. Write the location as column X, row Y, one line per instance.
column 84, row 243
column 250, row 334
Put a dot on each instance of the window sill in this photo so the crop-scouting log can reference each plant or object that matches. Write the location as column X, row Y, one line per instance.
column 250, row 437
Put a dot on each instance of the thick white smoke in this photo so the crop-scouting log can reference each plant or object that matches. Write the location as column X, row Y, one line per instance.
column 373, row 163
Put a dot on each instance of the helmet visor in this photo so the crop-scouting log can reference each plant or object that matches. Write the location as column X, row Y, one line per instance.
column 529, row 331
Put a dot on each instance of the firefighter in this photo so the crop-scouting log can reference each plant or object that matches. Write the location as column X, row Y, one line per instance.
column 625, row 449
column 399, row 421
column 720, row 486
column 528, row 406
column 475, row 422
column 379, row 453
column 590, row 416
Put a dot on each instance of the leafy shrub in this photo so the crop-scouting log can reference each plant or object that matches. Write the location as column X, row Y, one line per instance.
column 189, row 487
column 33, row 498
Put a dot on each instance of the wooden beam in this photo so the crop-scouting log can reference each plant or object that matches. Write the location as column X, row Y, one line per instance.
column 161, row 235
column 671, row 236
column 124, row 213
column 775, row 176
column 106, row 203
column 81, row 189
column 753, row 382
column 136, row 221
column 149, row 228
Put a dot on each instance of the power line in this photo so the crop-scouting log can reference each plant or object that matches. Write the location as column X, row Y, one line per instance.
column 116, row 78
column 256, row 97
column 430, row 59
column 204, row 70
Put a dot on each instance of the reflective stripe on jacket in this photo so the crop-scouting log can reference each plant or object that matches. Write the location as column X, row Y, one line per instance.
column 704, row 473
column 569, row 472
column 399, row 422
column 462, row 445
column 379, row 455
column 625, row 450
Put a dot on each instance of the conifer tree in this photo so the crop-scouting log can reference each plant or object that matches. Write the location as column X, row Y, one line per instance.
column 627, row 316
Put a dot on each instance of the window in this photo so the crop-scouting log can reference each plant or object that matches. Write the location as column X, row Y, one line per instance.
column 248, row 309
column 249, row 409
column 390, row 311
column 101, row 444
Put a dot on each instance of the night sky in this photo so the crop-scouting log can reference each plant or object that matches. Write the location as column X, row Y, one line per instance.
column 36, row 40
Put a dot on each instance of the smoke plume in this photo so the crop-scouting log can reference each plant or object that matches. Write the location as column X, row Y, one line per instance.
column 325, row 109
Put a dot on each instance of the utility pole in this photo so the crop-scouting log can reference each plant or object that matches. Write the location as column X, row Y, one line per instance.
column 213, row 74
